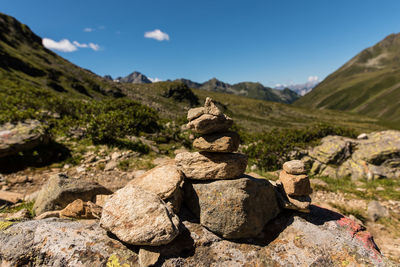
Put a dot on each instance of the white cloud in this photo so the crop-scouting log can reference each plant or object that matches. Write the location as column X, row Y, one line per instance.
column 64, row 45
column 80, row 45
column 88, row 29
column 157, row 35
column 154, row 80
column 95, row 47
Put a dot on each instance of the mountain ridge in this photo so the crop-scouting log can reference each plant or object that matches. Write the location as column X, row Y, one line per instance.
column 368, row 84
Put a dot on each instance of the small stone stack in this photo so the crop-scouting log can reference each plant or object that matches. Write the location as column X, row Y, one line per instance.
column 226, row 201
column 296, row 186
column 215, row 159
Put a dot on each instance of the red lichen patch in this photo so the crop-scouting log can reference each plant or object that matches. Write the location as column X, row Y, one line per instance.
column 357, row 231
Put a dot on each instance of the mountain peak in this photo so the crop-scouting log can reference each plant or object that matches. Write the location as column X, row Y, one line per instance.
column 135, row 77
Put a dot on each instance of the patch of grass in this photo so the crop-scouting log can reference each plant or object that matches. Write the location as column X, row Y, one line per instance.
column 18, row 207
column 124, row 165
column 5, row 224
column 380, row 189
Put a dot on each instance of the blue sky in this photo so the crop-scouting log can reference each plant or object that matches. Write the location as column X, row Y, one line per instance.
column 266, row 41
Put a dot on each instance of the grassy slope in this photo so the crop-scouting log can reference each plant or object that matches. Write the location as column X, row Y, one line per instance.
column 368, row 84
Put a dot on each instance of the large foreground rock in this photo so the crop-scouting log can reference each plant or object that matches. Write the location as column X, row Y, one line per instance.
column 139, row 217
column 378, row 156
column 209, row 166
column 15, row 138
column 165, row 181
column 320, row 238
column 60, row 190
column 234, row 209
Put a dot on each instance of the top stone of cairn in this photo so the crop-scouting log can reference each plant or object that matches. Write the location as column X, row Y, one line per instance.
column 208, row 119
column 294, row 167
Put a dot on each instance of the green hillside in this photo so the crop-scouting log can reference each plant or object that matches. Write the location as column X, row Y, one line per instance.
column 368, row 84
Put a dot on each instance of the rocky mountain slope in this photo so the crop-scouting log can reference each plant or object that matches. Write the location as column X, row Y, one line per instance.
column 367, row 84
column 134, row 77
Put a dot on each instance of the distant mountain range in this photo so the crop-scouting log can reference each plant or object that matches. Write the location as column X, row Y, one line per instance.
column 248, row 89
column 368, row 84
column 302, row 88
column 134, row 77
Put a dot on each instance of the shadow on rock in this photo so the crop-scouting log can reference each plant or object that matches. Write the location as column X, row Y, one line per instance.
column 319, row 216
column 40, row 156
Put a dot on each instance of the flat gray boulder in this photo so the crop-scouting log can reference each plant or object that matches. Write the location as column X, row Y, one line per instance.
column 211, row 166
column 58, row 242
column 233, row 209
column 60, row 190
column 139, row 217
column 15, row 138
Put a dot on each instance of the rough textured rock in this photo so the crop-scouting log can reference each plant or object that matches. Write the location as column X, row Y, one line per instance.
column 208, row 123
column 375, row 157
column 376, row 211
column 295, row 185
column 15, row 138
column 206, row 165
column 333, row 149
column 194, row 113
column 57, row 242
column 139, row 217
column 294, row 167
column 298, row 203
column 165, row 181
column 218, row 142
column 102, row 199
column 320, row 238
column 79, row 209
column 148, row 256
column 10, row 197
column 61, row 190
column 234, row 209
column 48, row 214
column 162, row 180
column 211, row 108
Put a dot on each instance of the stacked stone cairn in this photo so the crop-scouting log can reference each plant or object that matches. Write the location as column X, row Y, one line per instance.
column 225, row 201
column 211, row 184
column 294, row 186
